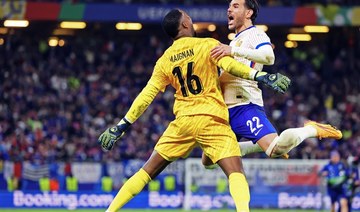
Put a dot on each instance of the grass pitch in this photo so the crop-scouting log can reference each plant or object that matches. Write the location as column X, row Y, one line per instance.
column 146, row 210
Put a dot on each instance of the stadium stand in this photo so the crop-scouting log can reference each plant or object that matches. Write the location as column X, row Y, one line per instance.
column 54, row 100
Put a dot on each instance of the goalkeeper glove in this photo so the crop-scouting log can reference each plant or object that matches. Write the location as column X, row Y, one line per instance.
column 111, row 135
column 278, row 82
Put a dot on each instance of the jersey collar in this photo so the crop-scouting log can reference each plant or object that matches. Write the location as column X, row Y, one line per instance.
column 244, row 30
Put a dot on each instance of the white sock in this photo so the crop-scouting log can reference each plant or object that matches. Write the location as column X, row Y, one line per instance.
column 289, row 139
column 306, row 132
column 247, row 147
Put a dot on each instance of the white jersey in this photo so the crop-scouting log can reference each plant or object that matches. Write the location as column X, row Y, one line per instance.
column 238, row 91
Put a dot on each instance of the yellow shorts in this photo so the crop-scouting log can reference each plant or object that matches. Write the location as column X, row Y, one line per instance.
column 212, row 134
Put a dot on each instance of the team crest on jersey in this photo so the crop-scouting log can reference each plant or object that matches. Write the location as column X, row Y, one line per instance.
column 238, row 43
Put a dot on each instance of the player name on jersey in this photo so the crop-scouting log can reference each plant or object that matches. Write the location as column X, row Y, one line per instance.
column 182, row 55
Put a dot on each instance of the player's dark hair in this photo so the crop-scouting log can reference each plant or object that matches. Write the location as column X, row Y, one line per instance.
column 171, row 22
column 254, row 6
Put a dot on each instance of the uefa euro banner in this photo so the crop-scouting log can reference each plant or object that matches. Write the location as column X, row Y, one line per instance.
column 331, row 14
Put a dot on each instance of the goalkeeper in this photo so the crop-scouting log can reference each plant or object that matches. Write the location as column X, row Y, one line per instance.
column 199, row 108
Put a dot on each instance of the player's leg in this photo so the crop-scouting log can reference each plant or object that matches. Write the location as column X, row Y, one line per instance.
column 332, row 207
column 333, row 199
column 248, row 147
column 349, row 204
column 220, row 145
column 343, row 203
column 154, row 165
column 238, row 186
column 292, row 137
column 167, row 149
column 251, row 122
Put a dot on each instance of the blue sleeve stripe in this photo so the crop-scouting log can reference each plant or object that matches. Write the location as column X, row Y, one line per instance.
column 252, row 64
column 262, row 44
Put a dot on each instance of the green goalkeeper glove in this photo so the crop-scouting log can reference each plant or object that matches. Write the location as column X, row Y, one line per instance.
column 278, row 82
column 111, row 135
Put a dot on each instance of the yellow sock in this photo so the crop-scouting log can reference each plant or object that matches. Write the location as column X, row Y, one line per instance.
column 131, row 188
column 239, row 190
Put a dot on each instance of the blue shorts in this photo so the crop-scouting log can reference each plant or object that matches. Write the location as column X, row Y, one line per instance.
column 250, row 122
column 336, row 194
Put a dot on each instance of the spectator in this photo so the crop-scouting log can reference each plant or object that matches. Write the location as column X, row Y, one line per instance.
column 54, row 184
column 106, row 183
column 71, row 183
column 169, row 183
column 336, row 174
column 353, row 181
column 154, row 185
column 44, row 183
column 12, row 183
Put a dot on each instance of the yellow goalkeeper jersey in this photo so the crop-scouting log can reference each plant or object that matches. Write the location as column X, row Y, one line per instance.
column 188, row 67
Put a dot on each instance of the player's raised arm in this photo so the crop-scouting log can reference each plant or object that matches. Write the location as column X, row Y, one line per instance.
column 264, row 54
column 278, row 82
column 111, row 135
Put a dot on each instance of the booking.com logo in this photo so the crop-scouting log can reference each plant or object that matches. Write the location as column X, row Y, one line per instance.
column 54, row 199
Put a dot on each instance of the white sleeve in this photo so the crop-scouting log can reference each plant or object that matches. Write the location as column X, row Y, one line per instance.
column 264, row 54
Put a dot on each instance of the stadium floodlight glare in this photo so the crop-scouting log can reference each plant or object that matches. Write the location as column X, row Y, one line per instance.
column 231, row 36
column 299, row 37
column 61, row 42
column 63, row 32
column 297, row 30
column 211, row 27
column 73, row 25
column 262, row 27
column 53, row 41
column 16, row 23
column 196, row 27
column 128, row 26
column 3, row 30
column 316, row 29
column 201, row 26
column 291, row 44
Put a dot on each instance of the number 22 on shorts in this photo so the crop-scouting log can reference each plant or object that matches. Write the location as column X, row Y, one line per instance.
column 254, row 125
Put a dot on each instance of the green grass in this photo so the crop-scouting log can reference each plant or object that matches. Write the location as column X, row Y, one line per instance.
column 144, row 210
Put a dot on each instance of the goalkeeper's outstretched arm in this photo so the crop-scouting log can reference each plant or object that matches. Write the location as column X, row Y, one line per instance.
column 141, row 102
column 111, row 135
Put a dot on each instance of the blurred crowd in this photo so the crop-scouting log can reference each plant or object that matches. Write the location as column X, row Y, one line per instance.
column 55, row 101
column 325, row 88
column 286, row 3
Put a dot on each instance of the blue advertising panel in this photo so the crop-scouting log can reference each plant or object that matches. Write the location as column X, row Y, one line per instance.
column 151, row 13
column 276, row 15
column 155, row 13
column 68, row 200
column 282, row 200
column 159, row 200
